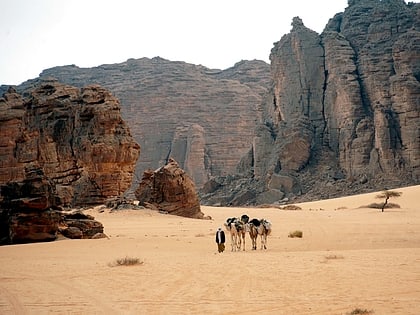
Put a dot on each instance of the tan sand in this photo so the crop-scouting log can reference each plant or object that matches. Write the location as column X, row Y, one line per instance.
column 349, row 258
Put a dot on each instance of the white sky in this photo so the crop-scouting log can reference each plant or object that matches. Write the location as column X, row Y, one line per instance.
column 40, row 34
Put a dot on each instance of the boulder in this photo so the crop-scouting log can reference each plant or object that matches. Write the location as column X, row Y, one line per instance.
column 76, row 224
column 170, row 190
column 27, row 213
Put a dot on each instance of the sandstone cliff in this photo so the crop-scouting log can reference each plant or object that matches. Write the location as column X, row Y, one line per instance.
column 337, row 114
column 75, row 136
column 343, row 113
column 192, row 113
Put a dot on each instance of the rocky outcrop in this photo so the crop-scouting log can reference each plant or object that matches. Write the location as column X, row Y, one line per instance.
column 339, row 114
column 26, row 211
column 75, row 136
column 342, row 116
column 76, row 224
column 170, row 190
column 29, row 213
column 192, row 113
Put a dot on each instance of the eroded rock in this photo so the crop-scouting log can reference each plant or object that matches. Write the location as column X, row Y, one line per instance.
column 170, row 190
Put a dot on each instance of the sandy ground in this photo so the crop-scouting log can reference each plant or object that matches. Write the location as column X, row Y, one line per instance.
column 349, row 258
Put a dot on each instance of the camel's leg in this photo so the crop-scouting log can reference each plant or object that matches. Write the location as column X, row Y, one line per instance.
column 232, row 241
column 263, row 241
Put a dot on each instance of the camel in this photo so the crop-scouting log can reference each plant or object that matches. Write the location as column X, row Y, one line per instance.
column 237, row 228
column 242, row 227
column 231, row 227
column 259, row 227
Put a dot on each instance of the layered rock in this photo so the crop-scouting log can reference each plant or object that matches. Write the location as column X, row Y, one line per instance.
column 26, row 211
column 170, row 190
column 76, row 224
column 343, row 114
column 75, row 136
column 168, row 104
column 339, row 115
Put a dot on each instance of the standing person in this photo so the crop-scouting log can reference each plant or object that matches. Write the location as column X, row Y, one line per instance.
column 220, row 240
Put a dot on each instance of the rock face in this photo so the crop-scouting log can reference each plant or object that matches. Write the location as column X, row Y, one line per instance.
column 337, row 114
column 26, row 213
column 169, row 189
column 192, row 113
column 29, row 212
column 343, row 114
column 75, row 136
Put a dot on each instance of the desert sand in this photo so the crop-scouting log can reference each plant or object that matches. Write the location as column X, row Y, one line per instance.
column 349, row 259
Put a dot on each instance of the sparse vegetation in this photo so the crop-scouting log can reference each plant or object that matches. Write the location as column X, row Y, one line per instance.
column 331, row 257
column 126, row 261
column 381, row 205
column 386, row 194
column 359, row 311
column 296, row 233
column 341, row 208
column 291, row 207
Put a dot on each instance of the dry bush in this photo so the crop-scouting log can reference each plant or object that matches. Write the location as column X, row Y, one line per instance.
column 126, row 261
column 359, row 311
column 296, row 233
column 341, row 208
column 330, row 257
column 267, row 205
column 200, row 235
column 291, row 207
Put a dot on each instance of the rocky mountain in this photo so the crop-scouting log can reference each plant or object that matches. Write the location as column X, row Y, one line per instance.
column 76, row 137
column 335, row 113
column 343, row 113
column 204, row 118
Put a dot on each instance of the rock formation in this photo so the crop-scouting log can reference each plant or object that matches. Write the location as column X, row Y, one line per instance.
column 343, row 114
column 75, row 136
column 170, row 190
column 337, row 114
column 192, row 113
column 29, row 212
column 76, row 224
column 26, row 211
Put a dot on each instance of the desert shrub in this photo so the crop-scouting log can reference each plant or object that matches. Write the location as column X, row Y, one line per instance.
column 359, row 311
column 126, row 261
column 291, row 207
column 330, row 257
column 267, row 205
column 380, row 205
column 200, row 235
column 296, row 233
column 341, row 208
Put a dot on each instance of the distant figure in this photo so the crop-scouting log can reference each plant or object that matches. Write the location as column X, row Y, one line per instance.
column 220, row 240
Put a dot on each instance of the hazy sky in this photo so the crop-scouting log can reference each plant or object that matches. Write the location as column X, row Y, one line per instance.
column 39, row 34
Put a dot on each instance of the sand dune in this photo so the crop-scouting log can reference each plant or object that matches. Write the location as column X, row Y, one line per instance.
column 349, row 258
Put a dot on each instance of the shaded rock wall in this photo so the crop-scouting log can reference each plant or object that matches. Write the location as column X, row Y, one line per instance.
column 343, row 113
column 357, row 87
column 76, row 136
column 168, row 104
column 26, row 213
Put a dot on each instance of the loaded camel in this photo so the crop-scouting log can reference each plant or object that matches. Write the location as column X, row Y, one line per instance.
column 237, row 228
column 259, row 227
